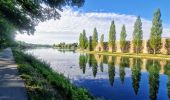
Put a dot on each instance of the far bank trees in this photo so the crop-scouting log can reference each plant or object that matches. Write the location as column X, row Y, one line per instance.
column 154, row 43
column 83, row 41
column 137, row 35
column 123, row 38
column 112, row 36
column 94, row 38
column 156, row 31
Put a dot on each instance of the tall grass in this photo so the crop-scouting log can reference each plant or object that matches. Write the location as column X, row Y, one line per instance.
column 43, row 83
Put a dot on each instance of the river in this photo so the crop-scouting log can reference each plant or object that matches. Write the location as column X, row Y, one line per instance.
column 111, row 77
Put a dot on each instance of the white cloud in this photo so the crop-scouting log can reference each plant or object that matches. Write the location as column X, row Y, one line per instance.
column 73, row 22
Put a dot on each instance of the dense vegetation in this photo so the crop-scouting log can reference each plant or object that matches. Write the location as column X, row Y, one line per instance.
column 71, row 46
column 43, row 83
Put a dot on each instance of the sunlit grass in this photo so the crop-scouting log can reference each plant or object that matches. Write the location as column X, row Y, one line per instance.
column 132, row 55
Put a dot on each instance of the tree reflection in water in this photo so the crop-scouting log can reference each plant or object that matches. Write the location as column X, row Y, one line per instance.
column 152, row 66
column 153, row 69
column 167, row 72
column 124, row 62
column 111, row 70
column 136, row 74
column 82, row 62
column 94, row 65
column 90, row 60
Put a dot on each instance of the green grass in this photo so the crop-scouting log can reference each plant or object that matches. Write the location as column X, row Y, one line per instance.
column 131, row 55
column 42, row 83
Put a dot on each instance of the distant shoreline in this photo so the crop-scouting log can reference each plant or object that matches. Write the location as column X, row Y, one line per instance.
column 131, row 55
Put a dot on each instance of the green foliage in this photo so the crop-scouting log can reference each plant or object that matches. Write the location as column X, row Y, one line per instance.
column 24, row 15
column 90, row 47
column 45, row 84
column 137, row 34
column 156, row 31
column 102, row 39
column 94, row 38
column 123, row 38
column 83, row 41
column 6, row 35
column 63, row 45
column 112, row 34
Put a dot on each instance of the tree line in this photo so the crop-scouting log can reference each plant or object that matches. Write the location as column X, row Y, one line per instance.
column 154, row 40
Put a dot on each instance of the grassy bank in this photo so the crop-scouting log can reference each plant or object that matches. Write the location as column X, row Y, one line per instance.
column 42, row 83
column 132, row 55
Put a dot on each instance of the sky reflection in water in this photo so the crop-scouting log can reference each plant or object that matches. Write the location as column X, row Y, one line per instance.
column 111, row 77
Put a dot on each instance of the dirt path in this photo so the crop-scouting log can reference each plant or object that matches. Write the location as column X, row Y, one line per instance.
column 11, row 85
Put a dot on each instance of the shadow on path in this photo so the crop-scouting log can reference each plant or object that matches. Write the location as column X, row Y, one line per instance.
column 11, row 85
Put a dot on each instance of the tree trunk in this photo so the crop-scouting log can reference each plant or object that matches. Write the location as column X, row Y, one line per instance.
column 154, row 51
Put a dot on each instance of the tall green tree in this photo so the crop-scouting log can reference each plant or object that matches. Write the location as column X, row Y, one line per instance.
column 102, row 39
column 137, row 34
column 94, row 38
column 156, row 31
column 123, row 38
column 90, row 48
column 80, row 40
column 83, row 41
column 112, row 34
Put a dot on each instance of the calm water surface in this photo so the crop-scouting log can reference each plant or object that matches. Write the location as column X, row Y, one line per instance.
column 111, row 77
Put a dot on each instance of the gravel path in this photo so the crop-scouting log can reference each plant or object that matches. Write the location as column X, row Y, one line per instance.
column 11, row 85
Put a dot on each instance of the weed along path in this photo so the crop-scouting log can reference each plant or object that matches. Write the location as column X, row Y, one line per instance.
column 11, row 85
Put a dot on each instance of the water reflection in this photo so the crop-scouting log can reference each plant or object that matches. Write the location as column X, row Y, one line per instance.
column 111, row 69
column 167, row 72
column 124, row 62
column 153, row 67
column 82, row 62
column 136, row 74
column 112, row 77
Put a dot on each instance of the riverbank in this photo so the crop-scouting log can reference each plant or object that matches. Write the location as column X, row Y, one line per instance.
column 43, row 83
column 131, row 55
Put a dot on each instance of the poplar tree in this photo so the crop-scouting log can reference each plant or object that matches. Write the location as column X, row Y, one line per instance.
column 102, row 39
column 156, row 31
column 112, row 35
column 94, row 38
column 137, row 34
column 80, row 40
column 90, row 44
column 84, row 40
column 123, row 38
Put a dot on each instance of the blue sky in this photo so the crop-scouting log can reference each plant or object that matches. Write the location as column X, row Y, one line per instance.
column 99, row 14
column 143, row 8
